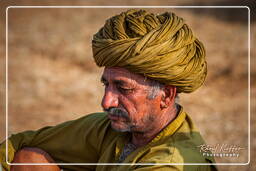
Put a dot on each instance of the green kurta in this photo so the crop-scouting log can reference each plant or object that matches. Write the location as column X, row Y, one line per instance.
column 90, row 139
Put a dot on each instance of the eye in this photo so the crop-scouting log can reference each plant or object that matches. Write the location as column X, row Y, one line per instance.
column 125, row 90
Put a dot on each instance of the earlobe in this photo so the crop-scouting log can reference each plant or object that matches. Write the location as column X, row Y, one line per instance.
column 163, row 104
column 171, row 91
column 168, row 96
column 164, row 100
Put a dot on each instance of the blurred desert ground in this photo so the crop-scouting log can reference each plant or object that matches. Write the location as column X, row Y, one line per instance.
column 52, row 77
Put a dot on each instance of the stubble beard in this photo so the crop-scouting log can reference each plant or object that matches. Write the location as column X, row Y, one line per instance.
column 146, row 123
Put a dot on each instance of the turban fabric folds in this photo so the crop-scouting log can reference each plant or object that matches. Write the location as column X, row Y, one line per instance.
column 160, row 47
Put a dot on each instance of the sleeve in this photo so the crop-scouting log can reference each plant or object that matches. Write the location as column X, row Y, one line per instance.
column 11, row 151
column 76, row 141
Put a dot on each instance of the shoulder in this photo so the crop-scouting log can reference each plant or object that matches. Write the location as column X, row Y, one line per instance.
column 90, row 120
column 93, row 117
column 94, row 123
column 185, row 144
column 180, row 147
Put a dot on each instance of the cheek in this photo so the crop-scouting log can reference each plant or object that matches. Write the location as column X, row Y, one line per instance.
column 149, row 108
column 136, row 106
column 129, row 105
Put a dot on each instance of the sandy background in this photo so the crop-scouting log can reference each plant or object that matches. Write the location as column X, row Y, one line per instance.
column 52, row 77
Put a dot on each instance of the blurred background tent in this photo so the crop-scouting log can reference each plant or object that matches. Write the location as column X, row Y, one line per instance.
column 52, row 77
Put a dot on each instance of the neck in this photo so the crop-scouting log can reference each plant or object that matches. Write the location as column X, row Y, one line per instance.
column 142, row 138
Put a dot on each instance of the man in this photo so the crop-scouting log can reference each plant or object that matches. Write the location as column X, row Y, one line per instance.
column 148, row 60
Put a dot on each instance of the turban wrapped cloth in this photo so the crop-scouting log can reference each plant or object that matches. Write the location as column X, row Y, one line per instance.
column 160, row 47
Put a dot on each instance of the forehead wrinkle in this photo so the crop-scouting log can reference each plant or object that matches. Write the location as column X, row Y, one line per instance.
column 126, row 76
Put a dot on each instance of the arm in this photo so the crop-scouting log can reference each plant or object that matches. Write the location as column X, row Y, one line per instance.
column 33, row 155
column 75, row 141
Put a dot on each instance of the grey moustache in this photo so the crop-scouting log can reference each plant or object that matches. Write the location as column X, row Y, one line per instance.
column 117, row 112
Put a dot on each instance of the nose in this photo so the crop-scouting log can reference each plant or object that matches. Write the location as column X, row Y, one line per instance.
column 110, row 99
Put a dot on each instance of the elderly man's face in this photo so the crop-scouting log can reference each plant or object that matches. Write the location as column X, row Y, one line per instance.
column 127, row 100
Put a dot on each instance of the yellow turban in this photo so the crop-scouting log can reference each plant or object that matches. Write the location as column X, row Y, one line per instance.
column 161, row 47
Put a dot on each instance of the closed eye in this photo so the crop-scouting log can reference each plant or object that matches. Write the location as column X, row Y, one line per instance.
column 125, row 90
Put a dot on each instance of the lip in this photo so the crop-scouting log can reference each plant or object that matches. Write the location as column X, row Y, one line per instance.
column 116, row 118
column 112, row 117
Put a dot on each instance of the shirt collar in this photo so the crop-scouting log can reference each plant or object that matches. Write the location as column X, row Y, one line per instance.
column 172, row 127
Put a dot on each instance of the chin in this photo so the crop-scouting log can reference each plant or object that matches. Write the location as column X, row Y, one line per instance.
column 120, row 127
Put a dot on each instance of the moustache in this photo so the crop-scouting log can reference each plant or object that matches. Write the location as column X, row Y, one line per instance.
column 113, row 111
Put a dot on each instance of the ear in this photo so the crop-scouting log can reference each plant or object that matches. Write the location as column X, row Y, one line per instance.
column 168, row 96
